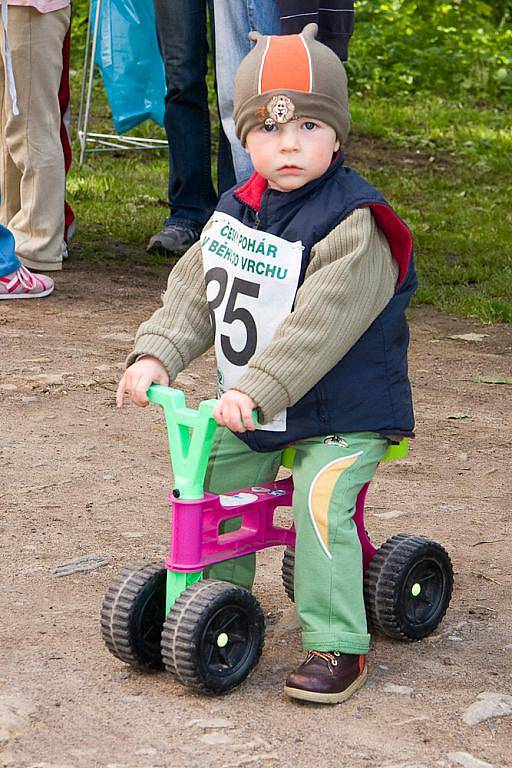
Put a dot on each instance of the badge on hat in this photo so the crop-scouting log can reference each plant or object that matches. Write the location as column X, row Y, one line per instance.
column 281, row 108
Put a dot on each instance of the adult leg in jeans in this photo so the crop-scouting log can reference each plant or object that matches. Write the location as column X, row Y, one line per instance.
column 225, row 170
column 234, row 19
column 182, row 36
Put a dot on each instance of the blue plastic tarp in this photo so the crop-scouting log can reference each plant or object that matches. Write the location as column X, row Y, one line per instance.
column 129, row 60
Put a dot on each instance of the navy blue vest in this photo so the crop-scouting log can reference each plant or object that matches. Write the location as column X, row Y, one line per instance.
column 368, row 390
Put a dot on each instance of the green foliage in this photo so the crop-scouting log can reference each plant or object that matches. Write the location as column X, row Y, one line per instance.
column 447, row 168
column 80, row 11
column 457, row 48
column 429, row 129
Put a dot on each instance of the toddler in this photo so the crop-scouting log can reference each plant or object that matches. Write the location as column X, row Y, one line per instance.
column 301, row 279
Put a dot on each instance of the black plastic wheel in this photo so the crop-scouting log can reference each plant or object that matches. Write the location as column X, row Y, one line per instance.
column 133, row 613
column 213, row 636
column 287, row 572
column 408, row 586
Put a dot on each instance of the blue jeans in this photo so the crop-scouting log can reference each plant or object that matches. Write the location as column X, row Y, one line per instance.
column 9, row 262
column 182, row 36
column 234, row 19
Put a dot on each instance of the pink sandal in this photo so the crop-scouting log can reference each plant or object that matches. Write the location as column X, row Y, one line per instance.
column 24, row 284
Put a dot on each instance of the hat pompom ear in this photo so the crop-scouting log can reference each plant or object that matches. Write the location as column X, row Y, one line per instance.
column 254, row 36
column 310, row 31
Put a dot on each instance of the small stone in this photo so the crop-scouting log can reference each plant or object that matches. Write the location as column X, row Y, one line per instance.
column 108, row 477
column 120, row 336
column 402, row 690
column 133, row 698
column 30, row 399
column 384, row 667
column 455, row 638
column 469, row 336
column 50, row 378
column 51, row 765
column 467, row 760
column 132, row 535
column 121, row 676
column 406, row 765
column 215, row 724
column 391, row 514
column 80, row 565
column 216, row 738
column 14, row 717
column 452, row 507
column 89, row 752
column 488, row 704
column 507, row 647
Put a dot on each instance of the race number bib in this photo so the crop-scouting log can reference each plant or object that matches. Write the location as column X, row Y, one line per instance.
column 251, row 279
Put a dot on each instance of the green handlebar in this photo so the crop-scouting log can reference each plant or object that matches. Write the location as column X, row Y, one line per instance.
column 191, row 434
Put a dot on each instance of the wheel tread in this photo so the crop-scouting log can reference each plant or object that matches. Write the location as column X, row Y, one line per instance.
column 381, row 578
column 179, row 648
column 117, row 608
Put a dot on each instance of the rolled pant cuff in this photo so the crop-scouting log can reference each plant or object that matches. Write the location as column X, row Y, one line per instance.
column 41, row 266
column 344, row 642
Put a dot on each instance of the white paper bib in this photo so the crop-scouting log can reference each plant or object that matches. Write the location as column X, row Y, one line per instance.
column 251, row 279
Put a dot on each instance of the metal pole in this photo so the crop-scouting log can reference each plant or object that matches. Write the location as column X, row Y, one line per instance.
column 91, row 75
column 84, row 73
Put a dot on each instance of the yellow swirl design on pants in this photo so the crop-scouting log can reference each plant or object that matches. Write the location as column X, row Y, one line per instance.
column 320, row 495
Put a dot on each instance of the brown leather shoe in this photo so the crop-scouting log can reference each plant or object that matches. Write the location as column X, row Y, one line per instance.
column 327, row 678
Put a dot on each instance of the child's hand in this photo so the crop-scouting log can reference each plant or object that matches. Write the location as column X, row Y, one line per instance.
column 234, row 411
column 138, row 378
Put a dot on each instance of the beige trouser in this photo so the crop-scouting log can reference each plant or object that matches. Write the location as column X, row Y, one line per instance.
column 32, row 177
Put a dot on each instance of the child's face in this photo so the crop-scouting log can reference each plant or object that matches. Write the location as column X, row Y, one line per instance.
column 290, row 154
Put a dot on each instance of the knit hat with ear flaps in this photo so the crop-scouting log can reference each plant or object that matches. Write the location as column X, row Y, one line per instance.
column 290, row 76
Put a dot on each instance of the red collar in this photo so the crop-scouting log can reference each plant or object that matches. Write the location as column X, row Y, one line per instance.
column 252, row 191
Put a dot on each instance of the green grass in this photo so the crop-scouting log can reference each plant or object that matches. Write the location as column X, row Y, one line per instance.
column 446, row 167
column 457, row 198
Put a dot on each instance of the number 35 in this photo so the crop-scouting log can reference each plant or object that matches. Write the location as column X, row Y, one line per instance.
column 246, row 288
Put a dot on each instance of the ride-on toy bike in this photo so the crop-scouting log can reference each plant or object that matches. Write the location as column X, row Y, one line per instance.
column 209, row 634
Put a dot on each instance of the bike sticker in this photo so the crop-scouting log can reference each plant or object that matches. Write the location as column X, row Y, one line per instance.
column 251, row 279
column 237, row 499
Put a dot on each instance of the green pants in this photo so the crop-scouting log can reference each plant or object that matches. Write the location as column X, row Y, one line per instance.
column 328, row 475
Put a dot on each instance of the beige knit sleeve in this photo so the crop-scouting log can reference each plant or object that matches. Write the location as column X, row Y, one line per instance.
column 181, row 329
column 350, row 279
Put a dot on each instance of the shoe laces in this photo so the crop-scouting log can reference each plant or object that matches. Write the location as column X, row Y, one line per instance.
column 25, row 277
column 330, row 658
column 192, row 233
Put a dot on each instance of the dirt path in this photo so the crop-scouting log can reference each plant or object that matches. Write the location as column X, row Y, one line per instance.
column 80, row 478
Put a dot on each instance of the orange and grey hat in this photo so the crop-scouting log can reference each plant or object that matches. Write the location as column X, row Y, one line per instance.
column 286, row 77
